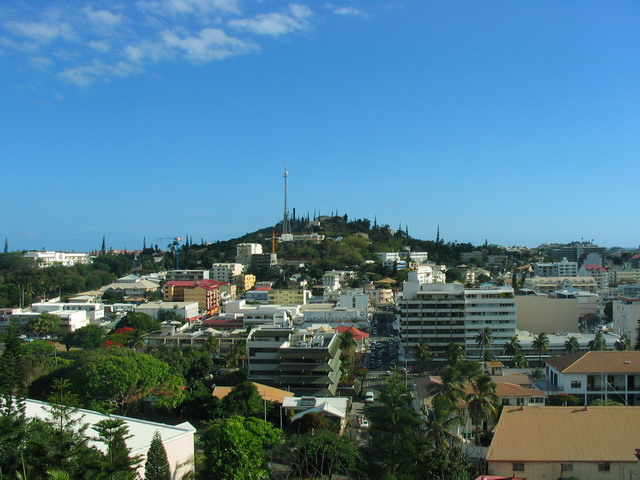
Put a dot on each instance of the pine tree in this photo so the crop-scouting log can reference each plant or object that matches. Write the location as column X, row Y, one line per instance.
column 12, row 384
column 6, row 245
column 103, row 250
column 157, row 466
column 12, row 404
column 117, row 463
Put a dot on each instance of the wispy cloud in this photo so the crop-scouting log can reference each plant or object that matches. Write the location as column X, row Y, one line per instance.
column 346, row 11
column 294, row 19
column 104, row 18
column 40, row 32
column 172, row 7
column 105, row 40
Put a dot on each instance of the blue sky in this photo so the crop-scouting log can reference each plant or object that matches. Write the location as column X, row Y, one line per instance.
column 515, row 122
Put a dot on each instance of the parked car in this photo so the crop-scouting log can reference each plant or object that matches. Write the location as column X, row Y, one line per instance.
column 364, row 423
column 369, row 397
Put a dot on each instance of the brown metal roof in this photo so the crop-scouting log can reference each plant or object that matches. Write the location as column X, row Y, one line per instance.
column 270, row 394
column 590, row 362
column 566, row 434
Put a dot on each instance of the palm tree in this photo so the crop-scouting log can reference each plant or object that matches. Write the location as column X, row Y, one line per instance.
column 623, row 343
column 540, row 345
column 454, row 354
column 441, row 423
column 212, row 344
column 520, row 361
column 348, row 345
column 450, row 390
column 484, row 339
column 483, row 402
column 512, row 348
column 470, row 370
column 571, row 345
column 598, row 343
column 423, row 357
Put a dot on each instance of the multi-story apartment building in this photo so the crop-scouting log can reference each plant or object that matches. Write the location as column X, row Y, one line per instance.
column 187, row 275
column 305, row 362
column 289, row 296
column 244, row 251
column 597, row 375
column 205, row 292
column 226, row 272
column 579, row 252
column 390, row 257
column 264, row 259
column 94, row 311
column 551, row 284
column 442, row 313
column 626, row 317
column 66, row 259
column 564, row 268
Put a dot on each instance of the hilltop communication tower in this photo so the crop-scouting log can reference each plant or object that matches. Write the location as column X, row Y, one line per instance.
column 286, row 225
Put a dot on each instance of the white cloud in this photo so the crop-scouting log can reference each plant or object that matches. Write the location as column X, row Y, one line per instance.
column 104, row 17
column 40, row 32
column 99, row 46
column 210, row 44
column 41, row 63
column 300, row 11
column 85, row 75
column 275, row 23
column 171, row 7
column 347, row 11
column 95, row 42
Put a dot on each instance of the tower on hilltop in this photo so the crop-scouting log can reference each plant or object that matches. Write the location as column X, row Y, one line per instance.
column 286, row 225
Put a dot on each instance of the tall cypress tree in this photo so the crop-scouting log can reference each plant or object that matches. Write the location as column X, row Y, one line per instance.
column 157, row 466
column 12, row 404
column 13, row 390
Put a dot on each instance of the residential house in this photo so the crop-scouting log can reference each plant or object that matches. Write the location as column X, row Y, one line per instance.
column 597, row 375
column 565, row 442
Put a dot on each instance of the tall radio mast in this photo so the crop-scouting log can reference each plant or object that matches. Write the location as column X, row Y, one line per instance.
column 286, row 226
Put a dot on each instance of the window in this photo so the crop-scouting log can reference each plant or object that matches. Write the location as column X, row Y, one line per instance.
column 566, row 467
column 518, row 467
column 520, row 402
column 576, row 384
column 604, row 467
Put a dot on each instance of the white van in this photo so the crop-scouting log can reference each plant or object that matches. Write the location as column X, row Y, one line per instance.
column 369, row 397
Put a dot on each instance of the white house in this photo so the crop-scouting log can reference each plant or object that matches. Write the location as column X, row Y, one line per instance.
column 66, row 259
column 178, row 440
column 597, row 375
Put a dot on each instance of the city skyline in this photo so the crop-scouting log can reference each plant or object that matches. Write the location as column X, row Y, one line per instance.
column 515, row 123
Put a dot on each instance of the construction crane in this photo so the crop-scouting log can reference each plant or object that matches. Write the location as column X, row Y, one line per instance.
column 175, row 248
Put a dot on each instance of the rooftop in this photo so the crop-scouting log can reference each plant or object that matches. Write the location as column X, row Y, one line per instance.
column 140, row 431
column 539, row 434
column 590, row 362
column 270, row 394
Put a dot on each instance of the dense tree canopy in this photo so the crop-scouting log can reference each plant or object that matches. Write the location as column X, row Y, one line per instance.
column 119, row 378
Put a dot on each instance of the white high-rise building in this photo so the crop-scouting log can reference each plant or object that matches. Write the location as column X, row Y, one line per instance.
column 225, row 272
column 444, row 313
column 245, row 250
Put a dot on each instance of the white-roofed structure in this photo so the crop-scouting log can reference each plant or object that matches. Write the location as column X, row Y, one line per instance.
column 178, row 440
column 329, row 406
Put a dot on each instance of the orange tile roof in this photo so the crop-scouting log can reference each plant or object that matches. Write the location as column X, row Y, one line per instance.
column 504, row 390
column 590, row 362
column 566, row 434
column 270, row 394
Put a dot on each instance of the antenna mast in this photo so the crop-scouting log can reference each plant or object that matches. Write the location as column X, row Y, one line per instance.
column 286, row 226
